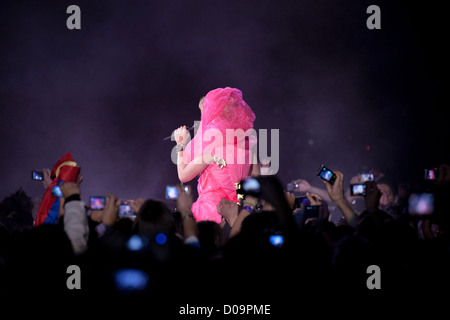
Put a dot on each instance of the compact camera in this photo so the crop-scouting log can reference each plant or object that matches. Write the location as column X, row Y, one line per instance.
column 97, row 203
column 37, row 175
column 172, row 192
column 299, row 201
column 358, row 189
column 125, row 211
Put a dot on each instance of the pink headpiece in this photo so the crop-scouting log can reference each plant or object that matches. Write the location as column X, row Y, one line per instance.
column 225, row 109
column 222, row 109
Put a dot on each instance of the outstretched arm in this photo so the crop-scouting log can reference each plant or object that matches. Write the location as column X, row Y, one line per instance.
column 188, row 171
column 336, row 193
column 75, row 217
column 304, row 186
column 184, row 204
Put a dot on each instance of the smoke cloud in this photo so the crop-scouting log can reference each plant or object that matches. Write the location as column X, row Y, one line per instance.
column 340, row 94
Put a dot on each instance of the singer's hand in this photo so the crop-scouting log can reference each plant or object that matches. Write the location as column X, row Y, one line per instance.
column 181, row 135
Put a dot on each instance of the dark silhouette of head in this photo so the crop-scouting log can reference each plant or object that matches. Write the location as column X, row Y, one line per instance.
column 15, row 212
column 210, row 237
column 154, row 217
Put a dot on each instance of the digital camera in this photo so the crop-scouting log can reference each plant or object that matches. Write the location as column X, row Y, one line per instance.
column 37, row 175
column 172, row 192
column 97, row 203
column 358, row 189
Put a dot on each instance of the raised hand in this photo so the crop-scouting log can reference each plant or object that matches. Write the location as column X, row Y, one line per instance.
column 314, row 199
column 336, row 191
column 111, row 210
column 372, row 197
column 290, row 197
column 228, row 209
column 181, row 135
column 184, row 201
column 136, row 204
column 47, row 180
column 69, row 188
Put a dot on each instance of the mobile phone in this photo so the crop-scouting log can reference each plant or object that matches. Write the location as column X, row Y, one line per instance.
column 326, row 174
column 56, row 192
column 291, row 187
column 125, row 211
column 97, row 203
column 358, row 189
column 172, row 192
column 421, row 203
column 311, row 212
column 37, row 175
column 366, row 177
column 301, row 200
column 431, row 174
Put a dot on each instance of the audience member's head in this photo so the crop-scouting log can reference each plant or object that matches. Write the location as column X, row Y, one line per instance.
column 154, row 217
column 210, row 237
column 389, row 191
column 15, row 212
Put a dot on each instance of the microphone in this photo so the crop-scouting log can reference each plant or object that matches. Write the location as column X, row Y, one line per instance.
column 190, row 129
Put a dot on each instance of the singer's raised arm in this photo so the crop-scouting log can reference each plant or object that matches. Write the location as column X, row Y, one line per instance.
column 187, row 172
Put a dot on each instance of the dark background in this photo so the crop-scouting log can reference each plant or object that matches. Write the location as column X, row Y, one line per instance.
column 341, row 95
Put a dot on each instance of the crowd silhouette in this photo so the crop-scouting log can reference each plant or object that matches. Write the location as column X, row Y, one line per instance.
column 268, row 250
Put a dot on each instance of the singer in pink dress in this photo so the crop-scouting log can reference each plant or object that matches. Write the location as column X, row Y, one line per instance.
column 221, row 150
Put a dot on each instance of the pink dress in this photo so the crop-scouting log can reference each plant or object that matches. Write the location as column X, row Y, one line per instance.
column 225, row 126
